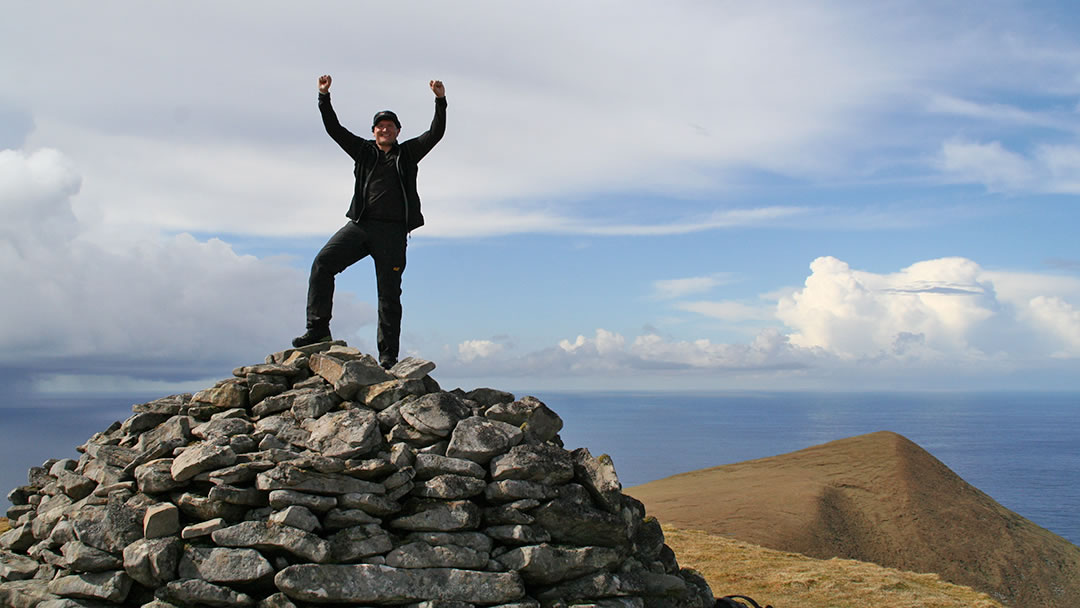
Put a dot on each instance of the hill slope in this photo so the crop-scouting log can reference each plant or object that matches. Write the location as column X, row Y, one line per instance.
column 878, row 498
column 789, row 579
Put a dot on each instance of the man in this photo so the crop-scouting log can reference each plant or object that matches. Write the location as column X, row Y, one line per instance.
column 385, row 207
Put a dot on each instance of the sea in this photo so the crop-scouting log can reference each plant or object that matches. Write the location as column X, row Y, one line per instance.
column 1021, row 448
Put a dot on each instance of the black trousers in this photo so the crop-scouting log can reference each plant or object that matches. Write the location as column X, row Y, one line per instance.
column 385, row 242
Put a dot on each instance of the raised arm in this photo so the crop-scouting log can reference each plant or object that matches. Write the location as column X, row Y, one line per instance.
column 423, row 143
column 344, row 138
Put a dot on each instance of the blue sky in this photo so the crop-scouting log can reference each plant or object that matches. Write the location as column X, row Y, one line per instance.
column 703, row 195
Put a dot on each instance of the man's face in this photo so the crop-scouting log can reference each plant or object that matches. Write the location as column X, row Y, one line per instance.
column 386, row 132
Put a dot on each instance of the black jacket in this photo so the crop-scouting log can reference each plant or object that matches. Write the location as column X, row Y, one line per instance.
column 365, row 153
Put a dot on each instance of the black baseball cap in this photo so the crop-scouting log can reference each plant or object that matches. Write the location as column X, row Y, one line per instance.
column 385, row 115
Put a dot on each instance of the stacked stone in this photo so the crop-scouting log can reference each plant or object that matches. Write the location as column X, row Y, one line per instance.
column 320, row 478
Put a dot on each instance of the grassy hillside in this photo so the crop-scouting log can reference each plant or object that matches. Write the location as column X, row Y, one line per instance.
column 791, row 580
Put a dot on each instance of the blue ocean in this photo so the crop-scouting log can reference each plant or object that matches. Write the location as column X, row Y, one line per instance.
column 1023, row 449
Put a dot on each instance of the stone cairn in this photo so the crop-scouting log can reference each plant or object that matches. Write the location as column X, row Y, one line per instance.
column 320, row 478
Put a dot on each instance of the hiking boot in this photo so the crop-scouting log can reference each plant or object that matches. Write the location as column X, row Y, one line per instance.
column 387, row 362
column 312, row 336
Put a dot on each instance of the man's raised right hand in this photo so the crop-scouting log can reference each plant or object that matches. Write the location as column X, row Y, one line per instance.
column 324, row 83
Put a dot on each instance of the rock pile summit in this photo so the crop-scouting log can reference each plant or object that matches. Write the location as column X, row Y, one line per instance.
column 320, row 478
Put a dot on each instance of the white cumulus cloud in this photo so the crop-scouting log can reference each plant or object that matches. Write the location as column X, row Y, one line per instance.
column 169, row 306
column 470, row 350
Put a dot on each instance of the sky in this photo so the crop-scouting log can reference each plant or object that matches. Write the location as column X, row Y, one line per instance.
column 630, row 195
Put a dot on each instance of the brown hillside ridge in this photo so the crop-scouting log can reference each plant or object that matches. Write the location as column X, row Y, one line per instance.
column 877, row 498
column 792, row 580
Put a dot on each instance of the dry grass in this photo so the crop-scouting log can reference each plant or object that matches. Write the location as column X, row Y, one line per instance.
column 4, row 525
column 791, row 580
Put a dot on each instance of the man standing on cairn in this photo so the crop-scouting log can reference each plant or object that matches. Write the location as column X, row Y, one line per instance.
column 385, row 208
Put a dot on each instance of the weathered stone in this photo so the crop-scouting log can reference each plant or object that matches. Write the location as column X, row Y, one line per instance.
column 297, row 517
column 406, row 433
column 74, row 485
column 363, row 583
column 156, row 476
column 81, row 557
column 401, row 491
column 201, row 457
column 477, row 541
column 400, row 478
column 196, row 592
column 288, row 477
column 104, row 474
column 576, row 524
column 372, row 468
column 412, row 368
column 435, row 413
column 277, row 403
column 271, row 536
column 382, row 395
column 277, row 600
column 548, row 564
column 202, row 508
column 598, row 476
column 312, row 404
column 228, row 395
column 480, row 439
column 14, row 567
column 346, row 434
column 543, row 463
column 292, row 372
column 488, row 397
column 358, row 542
column 337, row 519
column 514, row 489
column 517, row 534
column 432, row 465
column 25, row 594
column 264, row 386
column 538, row 421
column 356, row 374
column 438, row 516
column 504, row 515
column 450, row 487
column 222, row 427
column 174, row 431
column 108, row 586
column 17, row 539
column 423, row 555
column 170, row 405
column 250, row 497
column 223, row 565
column 243, row 472
column 204, row 528
column 161, row 520
column 280, row 499
column 374, row 504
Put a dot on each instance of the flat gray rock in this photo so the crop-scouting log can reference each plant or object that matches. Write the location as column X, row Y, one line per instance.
column 548, row 564
column 431, row 465
column 543, row 463
column 362, row 583
column 353, row 544
column 450, row 487
column 435, row 413
column 346, row 434
column 439, row 516
column 196, row 592
column 288, row 477
column 108, row 586
column 412, row 368
column 201, row 457
column 423, row 555
column 274, row 536
column 152, row 562
column 480, row 439
column 223, row 565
